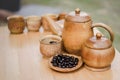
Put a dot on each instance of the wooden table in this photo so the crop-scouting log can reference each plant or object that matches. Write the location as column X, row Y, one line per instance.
column 20, row 59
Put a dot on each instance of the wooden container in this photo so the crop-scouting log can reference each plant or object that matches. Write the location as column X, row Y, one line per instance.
column 77, row 29
column 16, row 24
column 98, row 53
column 79, row 65
column 33, row 23
column 50, row 45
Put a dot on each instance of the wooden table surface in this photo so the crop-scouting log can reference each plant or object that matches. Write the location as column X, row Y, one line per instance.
column 20, row 59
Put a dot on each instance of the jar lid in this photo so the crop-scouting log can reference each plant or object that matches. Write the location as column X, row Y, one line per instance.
column 98, row 42
column 78, row 16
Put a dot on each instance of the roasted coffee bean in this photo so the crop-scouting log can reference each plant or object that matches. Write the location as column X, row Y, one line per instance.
column 54, row 64
column 52, row 42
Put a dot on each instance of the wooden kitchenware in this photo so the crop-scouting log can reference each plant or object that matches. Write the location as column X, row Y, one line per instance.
column 98, row 52
column 59, row 69
column 16, row 24
column 51, row 25
column 33, row 23
column 77, row 29
column 50, row 45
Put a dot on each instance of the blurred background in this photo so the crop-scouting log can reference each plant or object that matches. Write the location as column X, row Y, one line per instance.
column 105, row 11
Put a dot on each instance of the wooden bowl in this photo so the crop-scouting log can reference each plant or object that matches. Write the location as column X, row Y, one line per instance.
column 16, row 24
column 66, row 69
column 33, row 23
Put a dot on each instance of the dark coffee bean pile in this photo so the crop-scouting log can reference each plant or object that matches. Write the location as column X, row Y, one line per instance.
column 64, row 61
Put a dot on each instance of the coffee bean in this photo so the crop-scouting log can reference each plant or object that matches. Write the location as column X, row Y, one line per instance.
column 52, row 42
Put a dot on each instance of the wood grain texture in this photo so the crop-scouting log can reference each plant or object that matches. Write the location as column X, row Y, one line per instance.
column 20, row 59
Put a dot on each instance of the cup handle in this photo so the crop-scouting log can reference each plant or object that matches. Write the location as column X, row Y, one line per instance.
column 106, row 27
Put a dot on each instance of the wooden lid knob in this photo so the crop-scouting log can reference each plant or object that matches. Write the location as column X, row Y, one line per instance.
column 77, row 11
column 98, row 35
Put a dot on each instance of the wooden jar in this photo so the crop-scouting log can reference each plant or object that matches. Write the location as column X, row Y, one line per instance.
column 98, row 53
column 50, row 45
column 33, row 23
column 16, row 24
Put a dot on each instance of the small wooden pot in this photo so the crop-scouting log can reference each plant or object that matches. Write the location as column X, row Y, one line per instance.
column 16, row 24
column 50, row 45
column 33, row 23
column 98, row 53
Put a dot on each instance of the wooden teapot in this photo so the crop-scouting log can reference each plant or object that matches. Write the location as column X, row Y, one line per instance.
column 77, row 29
column 98, row 52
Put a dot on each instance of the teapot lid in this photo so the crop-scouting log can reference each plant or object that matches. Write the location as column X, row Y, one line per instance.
column 98, row 42
column 78, row 16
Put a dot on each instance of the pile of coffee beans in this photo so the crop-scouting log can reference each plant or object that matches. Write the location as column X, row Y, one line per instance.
column 64, row 61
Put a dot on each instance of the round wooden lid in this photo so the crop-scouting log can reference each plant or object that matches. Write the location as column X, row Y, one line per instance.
column 77, row 16
column 98, row 42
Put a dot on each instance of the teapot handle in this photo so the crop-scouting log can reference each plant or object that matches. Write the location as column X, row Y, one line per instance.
column 105, row 27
